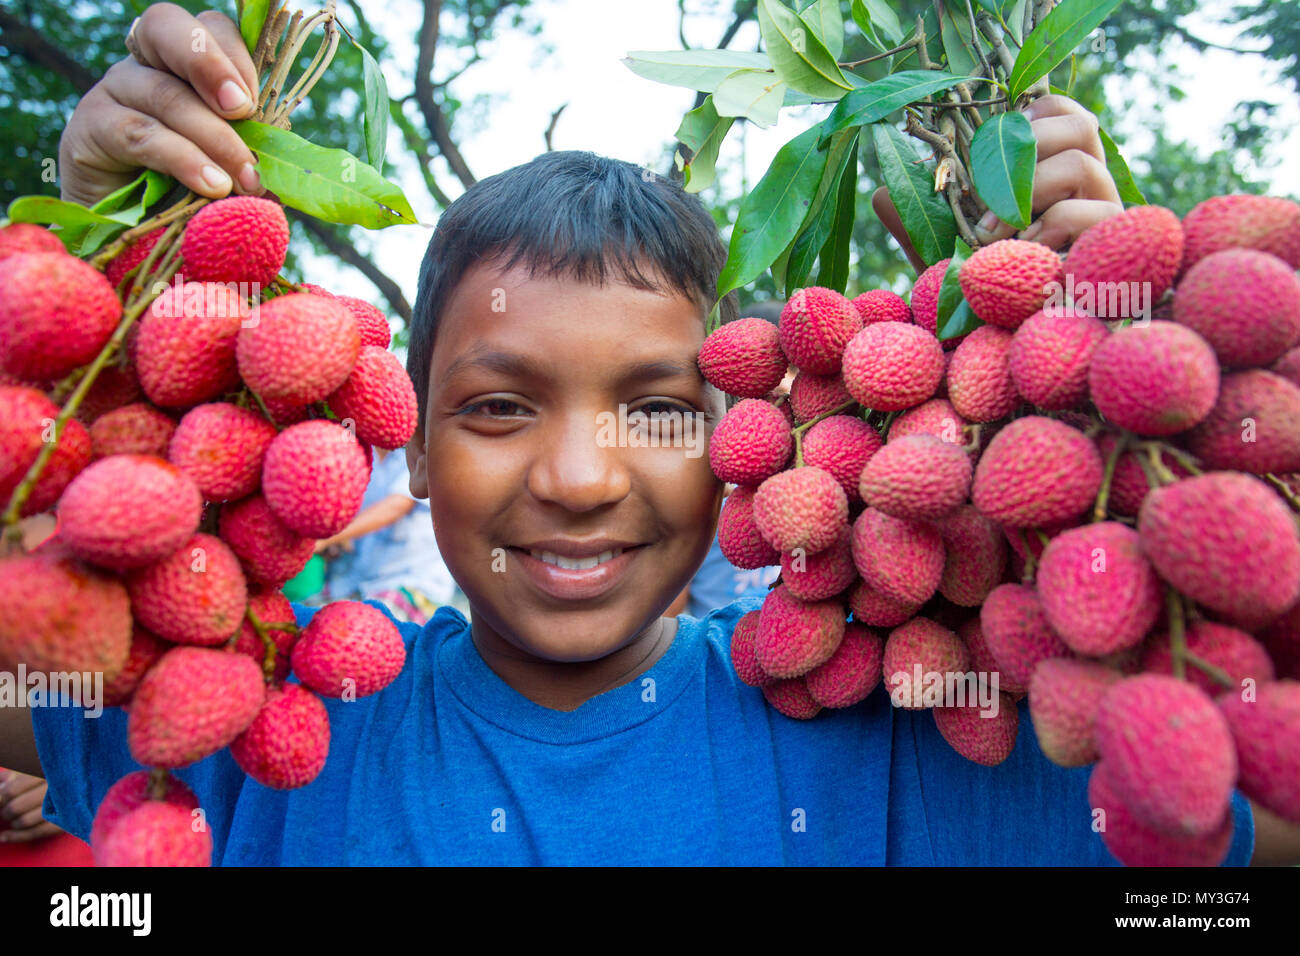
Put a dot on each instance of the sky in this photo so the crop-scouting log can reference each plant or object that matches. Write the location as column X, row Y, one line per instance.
column 613, row 111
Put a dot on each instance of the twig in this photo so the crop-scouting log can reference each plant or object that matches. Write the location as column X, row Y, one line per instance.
column 1103, row 496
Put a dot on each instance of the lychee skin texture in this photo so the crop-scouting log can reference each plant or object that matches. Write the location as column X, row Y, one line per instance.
column 1007, row 281
column 62, row 615
column 889, row 366
column 901, row 559
column 936, row 417
column 1246, row 304
column 1017, row 632
column 1157, row 379
column 738, row 536
column 792, row 698
column 918, row 478
column 271, row 607
column 237, row 239
column 146, row 649
column 156, row 834
column 795, row 636
column 136, row 429
column 931, row 645
column 872, row 608
column 196, row 595
column 269, row 552
column 1170, row 752
column 1266, row 223
column 1267, row 735
column 751, row 443
column 1063, row 699
column 1288, row 366
column 371, row 321
column 841, row 445
column 1134, row 843
column 975, row 556
column 1226, row 541
column 26, row 419
column 1037, row 471
column 28, row 237
column 301, row 348
column 743, row 656
column 881, row 305
column 1282, row 639
column 1254, row 425
column 1099, row 592
column 1143, row 244
column 132, row 256
column 851, row 673
column 185, row 350
column 1050, row 356
column 744, row 358
column 979, row 379
column 127, row 511
column 987, row 741
column 1234, row 652
column 819, row 576
column 983, row 662
column 117, row 385
column 801, row 508
column 221, row 446
column 130, row 793
column 192, row 703
column 286, row 744
column 815, row 395
column 815, row 326
column 314, row 477
column 56, row 313
column 348, row 647
column 925, row 296
column 379, row 398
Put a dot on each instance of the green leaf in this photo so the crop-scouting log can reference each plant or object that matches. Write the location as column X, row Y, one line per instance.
column 771, row 213
column 755, row 94
column 251, row 19
column 962, row 322
column 955, row 31
column 925, row 213
column 1129, row 193
column 375, row 122
column 330, row 184
column 1054, row 39
column 52, row 211
column 703, row 131
column 801, row 59
column 816, row 225
column 834, row 256
column 877, row 100
column 1003, row 157
column 953, row 319
column 827, row 21
column 1014, row 17
column 700, row 70
column 882, row 16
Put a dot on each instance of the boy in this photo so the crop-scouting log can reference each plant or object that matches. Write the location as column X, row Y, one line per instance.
column 570, row 722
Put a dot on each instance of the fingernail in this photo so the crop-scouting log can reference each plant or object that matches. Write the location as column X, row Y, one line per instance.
column 231, row 96
column 989, row 222
column 215, row 178
column 1032, row 232
column 249, row 181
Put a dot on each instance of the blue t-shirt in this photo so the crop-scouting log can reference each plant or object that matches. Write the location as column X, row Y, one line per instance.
column 684, row 765
column 718, row 582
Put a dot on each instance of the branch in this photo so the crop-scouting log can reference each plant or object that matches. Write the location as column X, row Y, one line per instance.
column 340, row 247
column 424, row 95
column 418, row 145
column 550, row 128
column 21, row 38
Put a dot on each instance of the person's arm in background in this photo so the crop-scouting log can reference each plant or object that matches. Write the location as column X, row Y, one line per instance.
column 18, row 741
column 21, row 796
column 369, row 520
column 1277, row 842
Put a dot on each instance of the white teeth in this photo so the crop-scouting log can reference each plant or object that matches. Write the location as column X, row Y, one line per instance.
column 576, row 564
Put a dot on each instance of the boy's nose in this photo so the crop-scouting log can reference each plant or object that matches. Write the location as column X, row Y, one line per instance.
column 577, row 467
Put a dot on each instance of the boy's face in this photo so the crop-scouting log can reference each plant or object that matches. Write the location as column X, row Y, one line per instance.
column 527, row 467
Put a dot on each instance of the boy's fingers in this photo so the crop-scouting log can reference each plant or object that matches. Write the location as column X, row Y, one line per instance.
column 169, row 38
column 24, row 802
column 1055, row 104
column 177, row 107
column 1063, row 223
column 1072, row 174
column 1057, row 134
column 884, row 209
column 225, row 31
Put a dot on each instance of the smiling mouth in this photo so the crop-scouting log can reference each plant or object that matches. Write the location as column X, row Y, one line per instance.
column 575, row 564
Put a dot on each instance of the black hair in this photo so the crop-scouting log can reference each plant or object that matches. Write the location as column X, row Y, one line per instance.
column 576, row 214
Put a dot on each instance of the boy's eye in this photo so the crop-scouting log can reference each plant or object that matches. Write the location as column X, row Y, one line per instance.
column 664, row 407
column 494, row 408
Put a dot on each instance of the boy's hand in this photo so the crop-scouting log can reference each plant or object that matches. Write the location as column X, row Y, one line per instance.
column 170, row 115
column 21, row 797
column 1072, row 187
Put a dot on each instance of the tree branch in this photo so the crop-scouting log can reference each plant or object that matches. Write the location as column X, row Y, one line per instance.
column 21, row 38
column 424, row 95
column 338, row 246
column 550, row 128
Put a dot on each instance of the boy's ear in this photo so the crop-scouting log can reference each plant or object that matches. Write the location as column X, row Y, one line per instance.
column 417, row 465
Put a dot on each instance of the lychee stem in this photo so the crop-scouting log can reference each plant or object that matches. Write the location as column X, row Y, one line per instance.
column 177, row 210
column 260, row 629
column 157, row 783
column 1180, row 456
column 1031, row 562
column 1217, row 674
column 798, row 430
column 1177, row 632
column 1158, row 465
column 1284, row 490
column 1103, row 496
